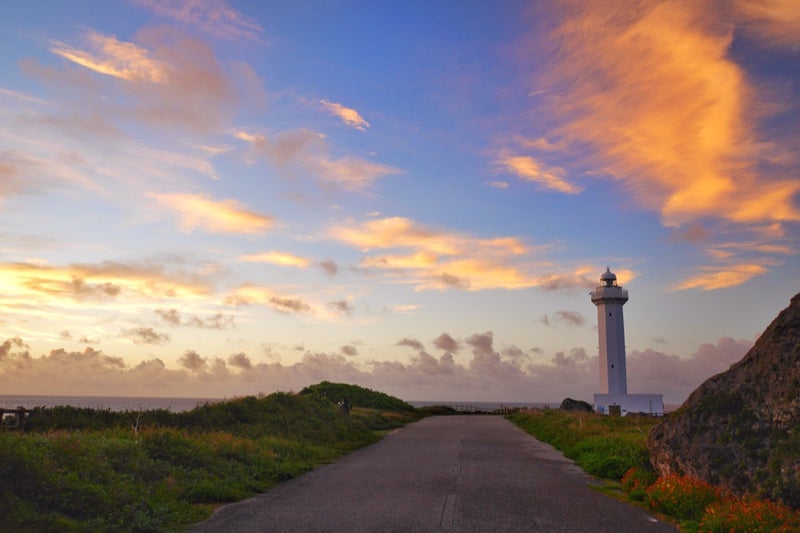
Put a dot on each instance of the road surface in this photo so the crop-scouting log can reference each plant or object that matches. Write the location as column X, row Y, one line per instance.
column 452, row 473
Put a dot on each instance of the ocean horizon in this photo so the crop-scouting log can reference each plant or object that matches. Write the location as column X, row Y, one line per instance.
column 134, row 403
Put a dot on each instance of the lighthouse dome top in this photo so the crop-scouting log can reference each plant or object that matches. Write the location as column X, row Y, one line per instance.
column 608, row 278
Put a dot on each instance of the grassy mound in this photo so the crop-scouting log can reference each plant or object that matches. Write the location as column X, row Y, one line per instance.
column 76, row 469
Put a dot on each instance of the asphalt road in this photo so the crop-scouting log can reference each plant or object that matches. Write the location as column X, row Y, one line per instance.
column 458, row 473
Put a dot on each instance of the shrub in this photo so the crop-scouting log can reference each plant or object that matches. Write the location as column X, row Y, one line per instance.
column 733, row 515
column 636, row 481
column 681, row 497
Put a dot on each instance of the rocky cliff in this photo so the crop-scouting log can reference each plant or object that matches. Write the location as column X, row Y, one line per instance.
column 741, row 428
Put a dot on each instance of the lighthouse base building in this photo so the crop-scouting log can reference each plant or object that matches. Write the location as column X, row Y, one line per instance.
column 613, row 398
column 628, row 404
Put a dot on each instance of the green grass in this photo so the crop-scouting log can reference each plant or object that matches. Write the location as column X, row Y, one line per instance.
column 603, row 446
column 96, row 470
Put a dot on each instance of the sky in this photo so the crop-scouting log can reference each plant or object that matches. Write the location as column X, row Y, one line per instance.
column 215, row 199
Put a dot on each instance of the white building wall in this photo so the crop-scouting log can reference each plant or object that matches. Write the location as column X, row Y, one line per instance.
column 652, row 404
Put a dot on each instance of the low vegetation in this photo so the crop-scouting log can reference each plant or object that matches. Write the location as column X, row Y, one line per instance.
column 614, row 448
column 76, row 469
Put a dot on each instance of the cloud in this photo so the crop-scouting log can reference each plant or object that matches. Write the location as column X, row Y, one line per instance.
column 351, row 117
column 529, row 169
column 198, row 211
column 666, row 110
column 342, row 306
column 438, row 259
column 713, row 278
column 568, row 318
column 581, row 277
column 193, row 361
column 277, row 258
column 289, row 305
column 411, row 343
column 349, row 350
column 240, row 360
column 145, row 336
column 651, row 370
column 118, row 59
column 775, row 23
column 19, row 174
column 329, row 267
column 98, row 282
column 306, row 151
column 498, row 184
column 507, row 375
column 164, row 78
column 214, row 17
column 173, row 317
column 446, row 343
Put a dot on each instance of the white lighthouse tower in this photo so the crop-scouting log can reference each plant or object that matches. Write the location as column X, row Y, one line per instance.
column 609, row 299
column 613, row 397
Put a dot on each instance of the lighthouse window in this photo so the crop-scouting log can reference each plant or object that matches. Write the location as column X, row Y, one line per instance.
column 609, row 314
column 612, row 366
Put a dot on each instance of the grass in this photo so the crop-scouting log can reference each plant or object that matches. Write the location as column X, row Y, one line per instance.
column 614, row 448
column 79, row 469
column 603, row 446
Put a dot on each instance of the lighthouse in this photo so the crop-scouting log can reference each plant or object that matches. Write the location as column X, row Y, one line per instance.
column 613, row 398
column 609, row 299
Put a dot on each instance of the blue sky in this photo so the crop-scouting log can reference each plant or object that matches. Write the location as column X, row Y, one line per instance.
column 217, row 199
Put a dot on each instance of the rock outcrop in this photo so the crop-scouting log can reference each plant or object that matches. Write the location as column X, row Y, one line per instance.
column 576, row 405
column 741, row 429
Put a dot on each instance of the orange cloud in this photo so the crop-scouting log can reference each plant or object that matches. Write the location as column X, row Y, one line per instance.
column 440, row 259
column 277, row 258
column 775, row 22
column 654, row 91
column 529, row 169
column 349, row 116
column 119, row 59
column 394, row 232
column 102, row 282
column 227, row 216
column 720, row 277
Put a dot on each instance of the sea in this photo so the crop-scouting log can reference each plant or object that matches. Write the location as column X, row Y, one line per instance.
column 121, row 403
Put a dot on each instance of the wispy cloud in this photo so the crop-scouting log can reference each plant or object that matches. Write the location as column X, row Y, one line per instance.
column 711, row 278
column 349, row 116
column 107, row 55
column 98, row 282
column 145, row 335
column 439, row 259
column 529, row 169
column 277, row 258
column 214, row 17
column 174, row 317
column 308, row 151
column 654, row 92
column 198, row 211
column 775, row 22
column 167, row 79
